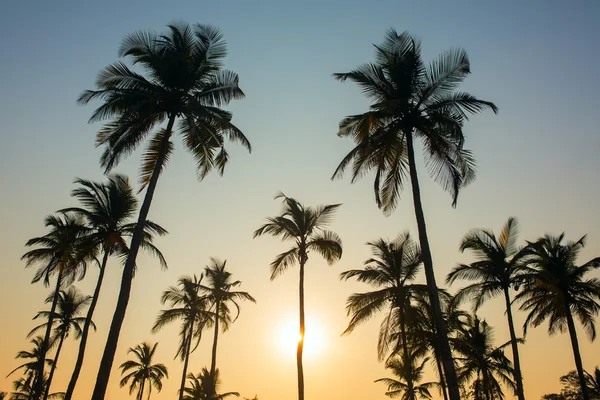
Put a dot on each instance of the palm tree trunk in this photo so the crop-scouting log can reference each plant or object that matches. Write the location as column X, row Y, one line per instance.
column 49, row 382
column 301, row 339
column 39, row 379
column 576, row 353
column 514, row 344
column 115, row 327
column 186, row 359
column 442, row 335
column 438, row 363
column 407, row 360
column 213, row 363
column 140, row 395
column 86, row 329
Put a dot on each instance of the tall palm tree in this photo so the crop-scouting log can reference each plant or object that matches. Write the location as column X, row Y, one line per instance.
column 58, row 253
column 107, row 209
column 30, row 368
column 191, row 308
column 413, row 101
column 71, row 303
column 556, row 290
column 305, row 227
column 185, row 84
column 497, row 266
column 141, row 371
column 219, row 292
column 391, row 270
column 205, row 386
column 409, row 373
column 482, row 364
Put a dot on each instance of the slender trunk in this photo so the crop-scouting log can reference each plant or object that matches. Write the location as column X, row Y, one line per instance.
column 301, row 339
column 213, row 363
column 576, row 353
column 438, row 363
column 115, row 327
column 514, row 344
column 140, row 395
column 440, row 325
column 49, row 382
column 38, row 382
column 86, row 329
column 407, row 359
column 186, row 359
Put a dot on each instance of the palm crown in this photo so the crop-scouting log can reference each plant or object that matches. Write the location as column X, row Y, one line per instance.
column 205, row 386
column 142, row 371
column 410, row 98
column 410, row 374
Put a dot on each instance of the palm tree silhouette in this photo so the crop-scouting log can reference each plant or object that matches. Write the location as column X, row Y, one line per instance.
column 205, row 386
column 412, row 100
column 219, row 293
column 191, row 308
column 58, row 253
column 555, row 290
column 71, row 303
column 186, row 83
column 24, row 390
column 30, row 368
column 394, row 265
column 593, row 383
column 499, row 262
column 107, row 209
column 409, row 374
column 482, row 364
column 141, row 371
column 305, row 226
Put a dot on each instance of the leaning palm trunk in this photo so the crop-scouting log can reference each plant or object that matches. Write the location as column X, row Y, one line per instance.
column 577, row 353
column 515, row 350
column 49, row 381
column 115, row 327
column 213, row 364
column 442, row 336
column 301, row 339
column 38, row 382
column 188, row 347
column 86, row 329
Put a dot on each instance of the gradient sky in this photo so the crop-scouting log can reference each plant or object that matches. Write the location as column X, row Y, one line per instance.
column 537, row 60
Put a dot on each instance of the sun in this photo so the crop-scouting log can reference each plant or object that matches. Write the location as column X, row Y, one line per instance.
column 289, row 336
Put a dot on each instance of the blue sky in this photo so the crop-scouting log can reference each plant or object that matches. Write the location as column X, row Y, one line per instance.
column 537, row 60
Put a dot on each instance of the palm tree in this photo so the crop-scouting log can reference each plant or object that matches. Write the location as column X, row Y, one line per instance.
column 71, row 303
column 58, row 253
column 410, row 373
column 30, row 368
column 556, row 290
column 186, row 83
column 499, row 262
column 394, row 265
column 219, row 293
column 189, row 306
column 141, row 371
column 205, row 386
column 593, row 383
column 482, row 364
column 24, row 390
column 107, row 209
column 305, row 227
column 412, row 100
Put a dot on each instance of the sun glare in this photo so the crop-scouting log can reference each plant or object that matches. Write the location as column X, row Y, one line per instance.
column 289, row 336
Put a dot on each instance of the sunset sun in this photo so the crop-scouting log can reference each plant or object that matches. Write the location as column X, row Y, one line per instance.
column 289, row 336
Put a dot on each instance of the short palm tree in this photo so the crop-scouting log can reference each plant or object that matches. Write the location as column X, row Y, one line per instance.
column 191, row 308
column 71, row 304
column 141, row 371
column 593, row 383
column 409, row 373
column 556, row 290
column 205, row 386
column 496, row 269
column 30, row 367
column 391, row 271
column 23, row 390
column 107, row 209
column 411, row 100
column 184, row 85
column 482, row 365
column 220, row 294
column 305, row 227
column 58, row 253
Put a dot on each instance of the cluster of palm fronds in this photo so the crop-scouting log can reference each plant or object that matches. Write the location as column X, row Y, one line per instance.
column 181, row 89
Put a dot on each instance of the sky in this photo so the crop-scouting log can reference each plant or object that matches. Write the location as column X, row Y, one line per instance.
column 537, row 161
